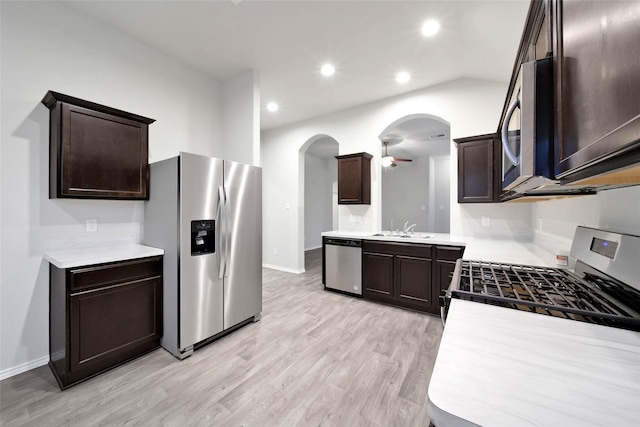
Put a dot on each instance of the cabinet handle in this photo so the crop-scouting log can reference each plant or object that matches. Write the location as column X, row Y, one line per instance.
column 505, row 132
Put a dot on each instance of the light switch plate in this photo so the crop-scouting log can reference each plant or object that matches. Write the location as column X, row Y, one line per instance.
column 92, row 225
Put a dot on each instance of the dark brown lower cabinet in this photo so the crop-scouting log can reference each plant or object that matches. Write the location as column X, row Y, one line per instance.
column 103, row 315
column 409, row 275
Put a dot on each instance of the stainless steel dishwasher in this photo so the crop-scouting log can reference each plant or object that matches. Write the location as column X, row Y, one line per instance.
column 343, row 265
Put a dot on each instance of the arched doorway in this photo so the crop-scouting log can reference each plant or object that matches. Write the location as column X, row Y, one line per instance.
column 319, row 190
column 417, row 191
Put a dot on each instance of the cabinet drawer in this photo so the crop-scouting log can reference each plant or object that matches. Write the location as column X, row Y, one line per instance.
column 415, row 250
column 108, row 274
column 449, row 253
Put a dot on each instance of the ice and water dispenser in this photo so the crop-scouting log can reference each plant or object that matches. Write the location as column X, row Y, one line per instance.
column 203, row 237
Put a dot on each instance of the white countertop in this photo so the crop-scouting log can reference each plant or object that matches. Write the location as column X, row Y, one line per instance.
column 97, row 255
column 493, row 250
column 502, row 367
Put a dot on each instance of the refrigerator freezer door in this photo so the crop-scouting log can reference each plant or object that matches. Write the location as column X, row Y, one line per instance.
column 201, row 290
column 243, row 278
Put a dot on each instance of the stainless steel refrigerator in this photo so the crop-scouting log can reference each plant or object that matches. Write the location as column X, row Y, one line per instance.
column 206, row 214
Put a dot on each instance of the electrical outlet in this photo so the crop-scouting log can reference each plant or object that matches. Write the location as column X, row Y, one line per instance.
column 286, row 206
column 92, row 225
column 486, row 221
column 275, row 251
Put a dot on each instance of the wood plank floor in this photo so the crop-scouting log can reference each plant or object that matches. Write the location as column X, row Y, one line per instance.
column 316, row 358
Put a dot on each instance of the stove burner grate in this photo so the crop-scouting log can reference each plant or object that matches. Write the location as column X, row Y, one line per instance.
column 550, row 291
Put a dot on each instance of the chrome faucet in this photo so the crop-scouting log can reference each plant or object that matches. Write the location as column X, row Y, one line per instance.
column 409, row 229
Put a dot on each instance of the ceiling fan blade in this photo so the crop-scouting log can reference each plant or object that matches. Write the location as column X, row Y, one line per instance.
column 398, row 159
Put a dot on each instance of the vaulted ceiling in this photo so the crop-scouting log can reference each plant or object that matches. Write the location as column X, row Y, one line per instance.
column 287, row 42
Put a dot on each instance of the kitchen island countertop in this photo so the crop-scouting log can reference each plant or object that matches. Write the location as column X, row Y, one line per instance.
column 499, row 366
column 477, row 249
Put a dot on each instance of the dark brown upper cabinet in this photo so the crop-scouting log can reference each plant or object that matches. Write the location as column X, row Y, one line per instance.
column 95, row 151
column 597, row 86
column 479, row 172
column 354, row 179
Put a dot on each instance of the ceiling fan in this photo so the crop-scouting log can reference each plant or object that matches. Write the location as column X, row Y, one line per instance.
column 390, row 161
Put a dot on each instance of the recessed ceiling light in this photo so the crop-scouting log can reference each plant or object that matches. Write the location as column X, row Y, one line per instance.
column 403, row 77
column 430, row 28
column 272, row 106
column 327, row 70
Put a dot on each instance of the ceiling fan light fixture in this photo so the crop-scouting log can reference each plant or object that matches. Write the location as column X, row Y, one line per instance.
column 386, row 161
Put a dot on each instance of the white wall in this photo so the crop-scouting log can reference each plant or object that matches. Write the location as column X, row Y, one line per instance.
column 554, row 221
column 319, row 176
column 241, row 118
column 472, row 107
column 48, row 46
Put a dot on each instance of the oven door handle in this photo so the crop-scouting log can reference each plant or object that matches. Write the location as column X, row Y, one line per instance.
column 445, row 298
column 505, row 132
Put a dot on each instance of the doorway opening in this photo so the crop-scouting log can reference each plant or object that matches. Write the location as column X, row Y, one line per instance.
column 416, row 187
column 319, row 190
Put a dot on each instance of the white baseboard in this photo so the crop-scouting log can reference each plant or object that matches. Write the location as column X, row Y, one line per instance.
column 312, row 248
column 288, row 270
column 24, row 367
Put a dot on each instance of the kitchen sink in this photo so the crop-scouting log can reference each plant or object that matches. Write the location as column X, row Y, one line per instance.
column 415, row 236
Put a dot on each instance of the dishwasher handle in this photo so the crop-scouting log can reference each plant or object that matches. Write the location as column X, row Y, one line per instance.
column 354, row 243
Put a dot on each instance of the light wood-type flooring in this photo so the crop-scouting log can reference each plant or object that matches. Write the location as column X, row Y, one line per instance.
column 315, row 358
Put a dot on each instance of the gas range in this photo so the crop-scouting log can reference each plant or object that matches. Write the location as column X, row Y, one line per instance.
column 604, row 289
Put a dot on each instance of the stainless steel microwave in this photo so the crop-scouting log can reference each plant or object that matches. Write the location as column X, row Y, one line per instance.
column 527, row 130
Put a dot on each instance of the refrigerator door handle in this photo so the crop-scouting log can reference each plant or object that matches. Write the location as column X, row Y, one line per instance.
column 227, row 246
column 220, row 213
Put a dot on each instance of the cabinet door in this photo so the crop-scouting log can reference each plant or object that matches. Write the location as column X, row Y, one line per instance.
column 377, row 276
column 96, row 151
column 349, row 174
column 109, row 325
column 354, row 179
column 413, row 282
column 478, row 179
column 597, row 85
column 102, row 155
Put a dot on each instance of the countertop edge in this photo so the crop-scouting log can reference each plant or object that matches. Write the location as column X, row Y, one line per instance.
column 437, row 239
column 80, row 257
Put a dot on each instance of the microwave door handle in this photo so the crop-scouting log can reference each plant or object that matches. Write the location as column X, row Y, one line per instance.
column 505, row 132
